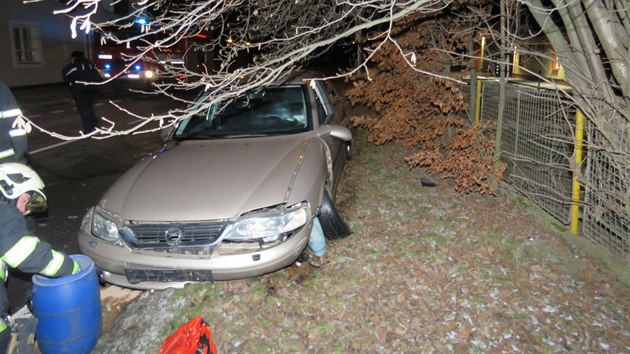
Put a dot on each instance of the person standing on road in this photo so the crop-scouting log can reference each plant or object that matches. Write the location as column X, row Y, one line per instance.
column 81, row 70
column 13, row 142
column 22, row 193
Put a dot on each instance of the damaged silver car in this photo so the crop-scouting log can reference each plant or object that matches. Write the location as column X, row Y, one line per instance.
column 236, row 191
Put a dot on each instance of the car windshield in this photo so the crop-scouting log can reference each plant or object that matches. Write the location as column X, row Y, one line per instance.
column 269, row 111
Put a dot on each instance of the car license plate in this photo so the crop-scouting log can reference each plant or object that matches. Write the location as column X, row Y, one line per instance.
column 135, row 276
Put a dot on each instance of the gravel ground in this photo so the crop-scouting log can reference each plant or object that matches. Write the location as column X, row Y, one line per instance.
column 426, row 270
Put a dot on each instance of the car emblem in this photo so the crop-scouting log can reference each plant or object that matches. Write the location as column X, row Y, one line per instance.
column 173, row 235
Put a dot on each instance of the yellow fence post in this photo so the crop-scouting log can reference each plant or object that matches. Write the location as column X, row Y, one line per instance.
column 478, row 102
column 575, row 193
column 479, row 82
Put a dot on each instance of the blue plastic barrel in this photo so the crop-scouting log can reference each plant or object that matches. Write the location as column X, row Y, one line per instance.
column 68, row 310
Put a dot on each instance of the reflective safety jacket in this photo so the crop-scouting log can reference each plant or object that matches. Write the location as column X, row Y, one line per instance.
column 18, row 249
column 13, row 143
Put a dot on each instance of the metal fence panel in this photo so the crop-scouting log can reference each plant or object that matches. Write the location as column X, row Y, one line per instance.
column 536, row 144
column 606, row 211
column 489, row 101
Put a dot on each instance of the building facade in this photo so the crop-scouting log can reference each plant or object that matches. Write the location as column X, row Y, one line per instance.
column 36, row 44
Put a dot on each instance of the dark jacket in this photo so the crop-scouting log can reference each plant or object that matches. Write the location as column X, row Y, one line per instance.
column 81, row 70
column 13, row 142
column 18, row 249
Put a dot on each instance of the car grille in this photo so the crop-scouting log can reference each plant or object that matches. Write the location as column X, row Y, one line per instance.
column 142, row 235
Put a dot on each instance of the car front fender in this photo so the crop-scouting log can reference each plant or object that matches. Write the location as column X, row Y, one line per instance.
column 310, row 176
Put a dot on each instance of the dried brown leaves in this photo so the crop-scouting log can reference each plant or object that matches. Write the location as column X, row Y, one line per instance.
column 425, row 113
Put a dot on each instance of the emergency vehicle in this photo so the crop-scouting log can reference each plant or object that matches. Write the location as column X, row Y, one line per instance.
column 110, row 60
column 119, row 61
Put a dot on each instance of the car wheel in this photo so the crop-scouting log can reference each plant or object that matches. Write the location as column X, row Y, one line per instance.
column 332, row 223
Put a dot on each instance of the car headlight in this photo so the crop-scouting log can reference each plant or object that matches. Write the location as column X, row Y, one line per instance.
column 148, row 74
column 102, row 224
column 268, row 226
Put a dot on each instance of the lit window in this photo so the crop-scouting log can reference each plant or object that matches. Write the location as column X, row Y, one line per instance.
column 26, row 44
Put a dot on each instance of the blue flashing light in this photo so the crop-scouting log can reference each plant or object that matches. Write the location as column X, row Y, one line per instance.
column 142, row 21
column 107, row 66
column 137, row 67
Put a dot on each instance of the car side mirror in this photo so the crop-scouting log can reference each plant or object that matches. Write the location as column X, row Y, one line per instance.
column 336, row 131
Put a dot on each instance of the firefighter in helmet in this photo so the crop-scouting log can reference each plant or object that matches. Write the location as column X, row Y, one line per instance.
column 21, row 194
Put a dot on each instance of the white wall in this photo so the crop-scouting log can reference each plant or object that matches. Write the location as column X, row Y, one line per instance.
column 56, row 42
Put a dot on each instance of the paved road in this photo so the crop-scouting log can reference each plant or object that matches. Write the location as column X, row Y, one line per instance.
column 78, row 172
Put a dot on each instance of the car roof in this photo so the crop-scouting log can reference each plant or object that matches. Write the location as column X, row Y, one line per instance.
column 298, row 77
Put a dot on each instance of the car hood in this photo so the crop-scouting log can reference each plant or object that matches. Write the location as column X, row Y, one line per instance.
column 209, row 179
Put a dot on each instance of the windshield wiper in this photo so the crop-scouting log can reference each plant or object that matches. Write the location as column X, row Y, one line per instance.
column 218, row 136
column 251, row 135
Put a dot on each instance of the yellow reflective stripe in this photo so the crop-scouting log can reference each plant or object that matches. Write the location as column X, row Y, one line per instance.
column 10, row 113
column 3, row 325
column 7, row 153
column 53, row 266
column 17, row 132
column 76, row 268
column 3, row 271
column 22, row 249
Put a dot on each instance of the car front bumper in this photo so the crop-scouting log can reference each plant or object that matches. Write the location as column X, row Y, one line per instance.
column 116, row 264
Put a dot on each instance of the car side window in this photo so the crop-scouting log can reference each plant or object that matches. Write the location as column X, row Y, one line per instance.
column 324, row 107
column 321, row 111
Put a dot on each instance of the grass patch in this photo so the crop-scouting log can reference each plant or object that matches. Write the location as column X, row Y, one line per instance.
column 500, row 278
column 438, row 225
column 357, row 227
column 559, row 227
column 317, row 281
column 324, row 327
column 433, row 236
column 522, row 202
column 517, row 252
column 621, row 269
column 495, row 239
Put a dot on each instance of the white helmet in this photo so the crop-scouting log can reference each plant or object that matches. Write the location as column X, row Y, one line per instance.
column 17, row 179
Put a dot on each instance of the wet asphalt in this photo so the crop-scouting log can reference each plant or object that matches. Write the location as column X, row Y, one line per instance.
column 76, row 173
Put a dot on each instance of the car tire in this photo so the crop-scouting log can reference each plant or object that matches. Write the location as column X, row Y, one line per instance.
column 333, row 225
